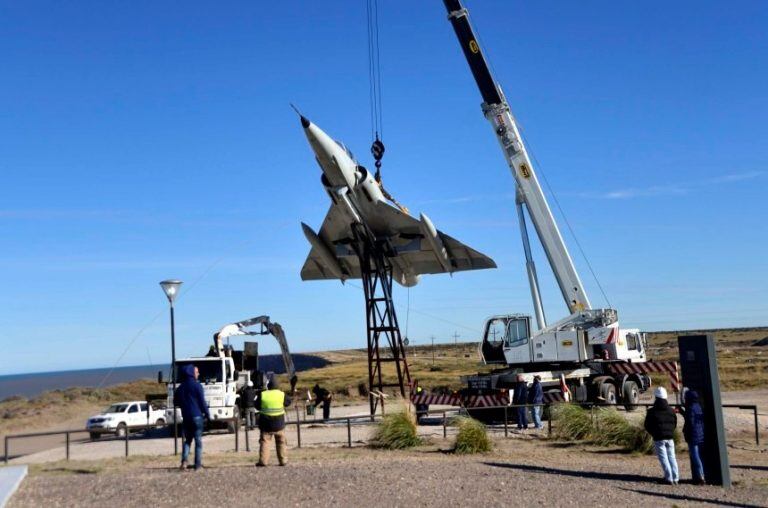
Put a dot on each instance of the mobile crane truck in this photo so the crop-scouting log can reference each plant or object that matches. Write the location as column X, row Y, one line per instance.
column 586, row 356
column 224, row 371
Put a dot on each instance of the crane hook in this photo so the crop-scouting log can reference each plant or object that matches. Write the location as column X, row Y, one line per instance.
column 377, row 150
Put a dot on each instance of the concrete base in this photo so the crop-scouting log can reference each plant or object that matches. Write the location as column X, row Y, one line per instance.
column 10, row 479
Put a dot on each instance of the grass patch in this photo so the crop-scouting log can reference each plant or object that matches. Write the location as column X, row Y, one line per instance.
column 397, row 431
column 573, row 423
column 614, row 430
column 607, row 428
column 472, row 436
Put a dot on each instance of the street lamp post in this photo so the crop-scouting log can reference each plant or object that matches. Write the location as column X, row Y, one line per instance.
column 171, row 290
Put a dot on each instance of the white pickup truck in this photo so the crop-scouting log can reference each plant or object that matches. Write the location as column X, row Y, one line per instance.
column 120, row 417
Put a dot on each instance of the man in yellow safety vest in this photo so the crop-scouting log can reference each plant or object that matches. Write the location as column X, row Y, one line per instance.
column 272, row 404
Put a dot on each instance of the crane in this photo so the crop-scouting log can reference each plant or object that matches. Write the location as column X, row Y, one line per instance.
column 580, row 350
column 266, row 327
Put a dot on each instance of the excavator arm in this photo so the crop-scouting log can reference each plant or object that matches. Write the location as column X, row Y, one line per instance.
column 266, row 327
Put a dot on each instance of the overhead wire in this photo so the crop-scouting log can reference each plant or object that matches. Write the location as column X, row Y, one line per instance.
column 489, row 59
column 565, row 219
column 374, row 70
column 144, row 328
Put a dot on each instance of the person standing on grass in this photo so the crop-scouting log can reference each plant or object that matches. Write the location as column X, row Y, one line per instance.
column 520, row 399
column 693, row 430
column 324, row 396
column 536, row 397
column 189, row 396
column 272, row 404
column 660, row 422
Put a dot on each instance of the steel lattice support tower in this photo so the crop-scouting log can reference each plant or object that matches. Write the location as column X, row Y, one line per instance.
column 381, row 319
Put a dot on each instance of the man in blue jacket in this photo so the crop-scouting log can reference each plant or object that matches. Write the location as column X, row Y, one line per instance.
column 189, row 396
column 536, row 397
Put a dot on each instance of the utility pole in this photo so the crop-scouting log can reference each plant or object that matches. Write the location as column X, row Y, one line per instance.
column 433, row 350
column 455, row 337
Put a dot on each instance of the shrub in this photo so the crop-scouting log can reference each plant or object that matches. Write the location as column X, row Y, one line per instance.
column 397, row 431
column 574, row 423
column 609, row 428
column 612, row 429
column 472, row 436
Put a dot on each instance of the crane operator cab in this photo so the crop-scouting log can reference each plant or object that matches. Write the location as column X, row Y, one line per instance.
column 506, row 337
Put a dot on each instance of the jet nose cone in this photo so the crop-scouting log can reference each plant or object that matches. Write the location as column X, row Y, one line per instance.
column 304, row 122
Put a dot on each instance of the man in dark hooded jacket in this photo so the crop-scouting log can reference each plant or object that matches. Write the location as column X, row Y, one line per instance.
column 693, row 430
column 189, row 396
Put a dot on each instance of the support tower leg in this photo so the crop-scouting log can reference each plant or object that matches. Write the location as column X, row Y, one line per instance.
column 381, row 323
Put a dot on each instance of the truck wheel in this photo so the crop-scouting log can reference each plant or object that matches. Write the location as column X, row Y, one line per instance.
column 631, row 395
column 95, row 436
column 160, row 422
column 121, row 430
column 608, row 393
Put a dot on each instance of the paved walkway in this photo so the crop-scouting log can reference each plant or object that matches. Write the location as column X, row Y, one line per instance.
column 10, row 479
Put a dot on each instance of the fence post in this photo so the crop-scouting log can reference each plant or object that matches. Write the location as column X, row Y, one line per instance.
column 247, row 438
column 237, row 433
column 298, row 433
column 67, row 445
column 757, row 427
column 6, row 449
column 445, row 428
column 506, row 430
column 349, row 432
column 127, row 433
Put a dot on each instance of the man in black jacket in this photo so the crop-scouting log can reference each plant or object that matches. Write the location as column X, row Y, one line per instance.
column 323, row 396
column 248, row 401
column 520, row 399
column 660, row 422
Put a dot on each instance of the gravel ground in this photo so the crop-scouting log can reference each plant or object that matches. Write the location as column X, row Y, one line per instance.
column 520, row 471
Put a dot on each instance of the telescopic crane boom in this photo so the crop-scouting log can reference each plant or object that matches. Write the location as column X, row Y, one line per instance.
column 529, row 192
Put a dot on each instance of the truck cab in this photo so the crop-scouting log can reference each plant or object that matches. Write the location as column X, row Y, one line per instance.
column 221, row 385
column 507, row 340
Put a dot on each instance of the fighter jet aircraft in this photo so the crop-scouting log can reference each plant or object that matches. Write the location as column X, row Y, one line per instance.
column 413, row 246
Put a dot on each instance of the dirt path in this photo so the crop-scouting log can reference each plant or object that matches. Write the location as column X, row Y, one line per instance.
column 519, row 472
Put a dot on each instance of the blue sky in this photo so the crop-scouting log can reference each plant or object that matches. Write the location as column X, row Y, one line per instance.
column 141, row 141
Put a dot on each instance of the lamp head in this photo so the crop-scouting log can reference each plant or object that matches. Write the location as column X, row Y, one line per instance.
column 171, row 288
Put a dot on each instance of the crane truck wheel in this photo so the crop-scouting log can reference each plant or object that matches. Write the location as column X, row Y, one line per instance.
column 608, row 393
column 631, row 395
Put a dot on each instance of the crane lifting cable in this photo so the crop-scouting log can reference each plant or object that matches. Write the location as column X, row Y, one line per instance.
column 374, row 99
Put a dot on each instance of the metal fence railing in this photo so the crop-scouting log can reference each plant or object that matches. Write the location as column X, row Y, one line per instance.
column 349, row 422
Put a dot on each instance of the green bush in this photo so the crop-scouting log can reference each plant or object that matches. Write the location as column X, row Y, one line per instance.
column 612, row 429
column 397, row 431
column 609, row 428
column 573, row 422
column 472, row 436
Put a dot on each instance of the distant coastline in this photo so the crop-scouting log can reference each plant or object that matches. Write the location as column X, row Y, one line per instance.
column 33, row 384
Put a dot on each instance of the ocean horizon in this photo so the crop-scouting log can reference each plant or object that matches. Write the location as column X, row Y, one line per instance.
column 33, row 384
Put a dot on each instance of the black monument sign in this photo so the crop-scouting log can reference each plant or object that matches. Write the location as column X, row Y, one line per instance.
column 698, row 361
